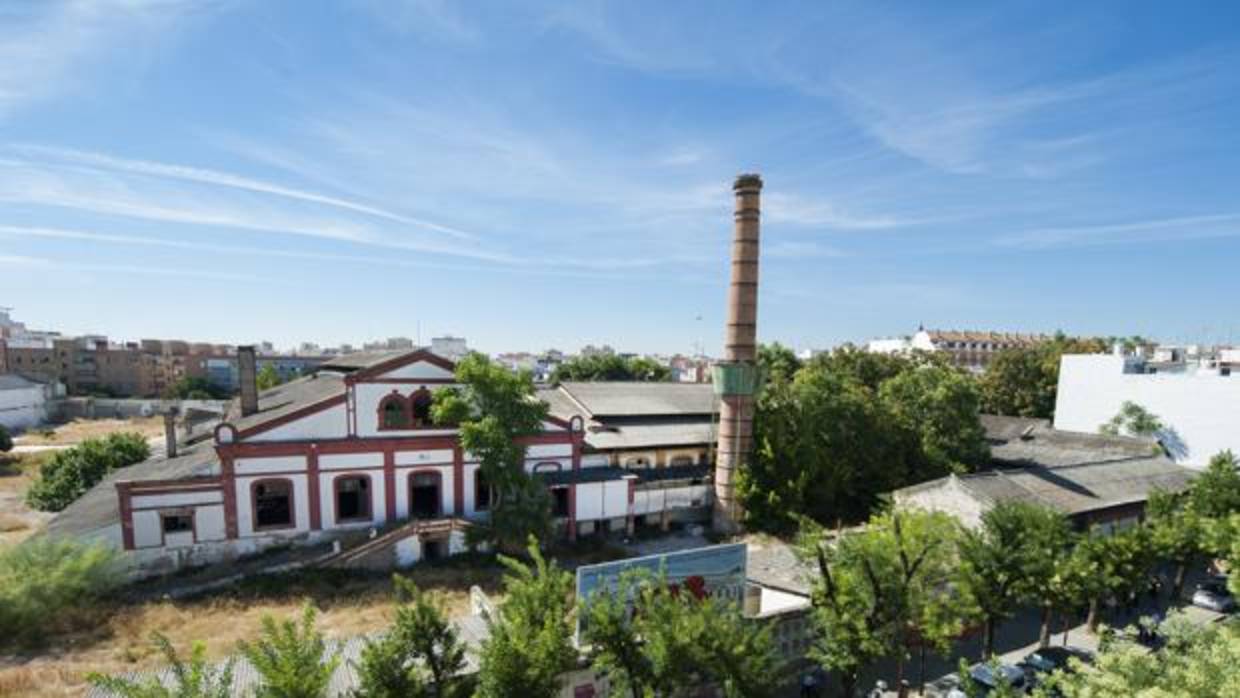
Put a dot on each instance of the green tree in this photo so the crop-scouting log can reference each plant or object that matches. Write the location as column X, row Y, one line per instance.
column 1199, row 660
column 49, row 585
column 194, row 678
column 494, row 410
column 779, row 363
column 1215, row 493
column 882, row 590
column 1132, row 420
column 195, row 388
column 1023, row 382
column 1004, row 560
column 940, row 404
column 6, row 440
column 291, row 657
column 530, row 645
column 419, row 657
column 268, row 377
column 650, row 641
column 1112, row 565
column 1177, row 533
column 69, row 473
column 611, row 367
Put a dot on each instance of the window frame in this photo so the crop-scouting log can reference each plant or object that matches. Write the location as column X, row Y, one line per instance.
column 395, row 397
column 164, row 515
column 367, row 500
column 414, row 398
column 292, row 504
column 409, row 485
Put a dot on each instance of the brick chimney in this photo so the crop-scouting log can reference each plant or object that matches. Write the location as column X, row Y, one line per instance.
column 170, row 432
column 247, row 374
column 736, row 377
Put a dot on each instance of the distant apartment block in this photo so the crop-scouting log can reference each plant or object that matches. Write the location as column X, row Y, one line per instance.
column 968, row 349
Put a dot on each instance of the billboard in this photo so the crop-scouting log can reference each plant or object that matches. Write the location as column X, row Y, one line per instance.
column 718, row 571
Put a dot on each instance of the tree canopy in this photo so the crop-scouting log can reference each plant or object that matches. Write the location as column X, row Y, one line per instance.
column 851, row 425
column 72, row 471
column 1023, row 382
column 419, row 657
column 494, row 408
column 611, row 367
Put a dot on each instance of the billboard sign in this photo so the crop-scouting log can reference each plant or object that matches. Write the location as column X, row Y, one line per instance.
column 718, row 571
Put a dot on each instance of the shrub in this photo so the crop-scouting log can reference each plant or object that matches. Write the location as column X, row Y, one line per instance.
column 292, row 658
column 6, row 440
column 192, row 679
column 73, row 471
column 48, row 585
column 420, row 655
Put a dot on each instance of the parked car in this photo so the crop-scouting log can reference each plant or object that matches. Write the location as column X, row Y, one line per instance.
column 1048, row 659
column 1215, row 596
column 986, row 678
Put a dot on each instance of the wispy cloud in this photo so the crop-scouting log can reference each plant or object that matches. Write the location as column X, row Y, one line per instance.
column 62, row 266
column 788, row 249
column 1152, row 230
column 225, row 179
column 803, row 211
column 44, row 46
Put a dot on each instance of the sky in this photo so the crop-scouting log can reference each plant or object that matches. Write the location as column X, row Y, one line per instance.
column 533, row 175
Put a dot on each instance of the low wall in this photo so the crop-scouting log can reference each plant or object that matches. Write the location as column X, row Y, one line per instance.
column 127, row 408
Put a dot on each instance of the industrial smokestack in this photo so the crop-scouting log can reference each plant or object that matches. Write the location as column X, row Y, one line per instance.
column 247, row 373
column 736, row 377
column 170, row 432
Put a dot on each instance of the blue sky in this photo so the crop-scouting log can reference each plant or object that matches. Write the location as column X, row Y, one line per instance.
column 532, row 175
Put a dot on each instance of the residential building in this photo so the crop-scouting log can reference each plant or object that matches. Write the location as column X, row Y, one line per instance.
column 1198, row 403
column 968, row 349
column 1092, row 479
column 449, row 347
column 222, row 371
column 349, row 447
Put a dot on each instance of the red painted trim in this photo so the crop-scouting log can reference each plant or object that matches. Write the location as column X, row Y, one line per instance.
column 220, row 428
column 292, row 416
column 228, row 476
column 398, row 361
column 312, row 487
column 369, row 516
column 188, row 484
column 406, row 411
column 389, row 484
column 292, row 504
column 369, row 445
column 458, row 481
column 126, row 514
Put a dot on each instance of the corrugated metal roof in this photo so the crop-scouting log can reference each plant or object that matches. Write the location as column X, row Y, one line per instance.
column 635, row 436
column 12, row 381
column 596, row 474
column 636, row 399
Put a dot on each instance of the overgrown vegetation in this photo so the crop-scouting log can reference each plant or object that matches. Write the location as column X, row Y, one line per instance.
column 1023, row 382
column 267, row 377
column 195, row 388
column 611, row 367
column 73, row 471
column 192, row 678
column 419, row 657
column 494, row 410
column 49, row 586
column 834, row 434
column 1133, row 420
column 291, row 658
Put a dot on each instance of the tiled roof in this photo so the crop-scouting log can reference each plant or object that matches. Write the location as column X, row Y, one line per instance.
column 993, row 337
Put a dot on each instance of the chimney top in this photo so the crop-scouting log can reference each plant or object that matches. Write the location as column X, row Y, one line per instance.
column 747, row 181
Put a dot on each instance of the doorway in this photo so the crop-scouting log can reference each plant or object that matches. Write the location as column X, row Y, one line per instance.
column 424, row 496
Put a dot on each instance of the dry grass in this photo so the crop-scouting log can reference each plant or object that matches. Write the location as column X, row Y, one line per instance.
column 119, row 642
column 17, row 521
column 81, row 429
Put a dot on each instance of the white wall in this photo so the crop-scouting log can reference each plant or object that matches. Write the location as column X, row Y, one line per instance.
column 1203, row 410
column 369, row 395
column 602, row 500
column 23, row 408
column 245, row 507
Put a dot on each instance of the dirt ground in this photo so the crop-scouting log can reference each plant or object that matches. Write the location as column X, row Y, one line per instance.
column 350, row 604
column 17, row 521
column 80, row 429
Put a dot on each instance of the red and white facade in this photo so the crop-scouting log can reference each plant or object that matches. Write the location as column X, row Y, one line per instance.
column 360, row 458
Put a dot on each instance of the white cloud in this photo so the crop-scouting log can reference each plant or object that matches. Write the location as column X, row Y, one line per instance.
column 1151, row 230
column 779, row 207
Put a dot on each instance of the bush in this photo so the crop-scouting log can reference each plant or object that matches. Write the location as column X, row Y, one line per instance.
column 48, row 585
column 6, row 441
column 73, row 471
column 190, row 679
column 292, row 658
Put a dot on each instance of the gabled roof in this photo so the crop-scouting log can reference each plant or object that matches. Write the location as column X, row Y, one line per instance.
column 319, row 388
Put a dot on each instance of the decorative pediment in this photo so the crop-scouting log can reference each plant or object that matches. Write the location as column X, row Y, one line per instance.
column 419, row 366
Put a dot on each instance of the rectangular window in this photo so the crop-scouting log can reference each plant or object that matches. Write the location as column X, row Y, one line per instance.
column 482, row 492
column 559, row 504
column 273, row 504
column 352, row 499
column 178, row 523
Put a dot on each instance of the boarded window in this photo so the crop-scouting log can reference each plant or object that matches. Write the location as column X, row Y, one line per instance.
column 179, row 522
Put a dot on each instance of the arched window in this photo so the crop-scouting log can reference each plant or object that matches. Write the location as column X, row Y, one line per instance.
column 547, row 467
column 272, row 502
column 393, row 412
column 421, row 402
column 352, row 498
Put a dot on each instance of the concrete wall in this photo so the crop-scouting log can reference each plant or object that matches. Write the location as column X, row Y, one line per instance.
column 23, row 408
column 1201, row 410
column 101, row 408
